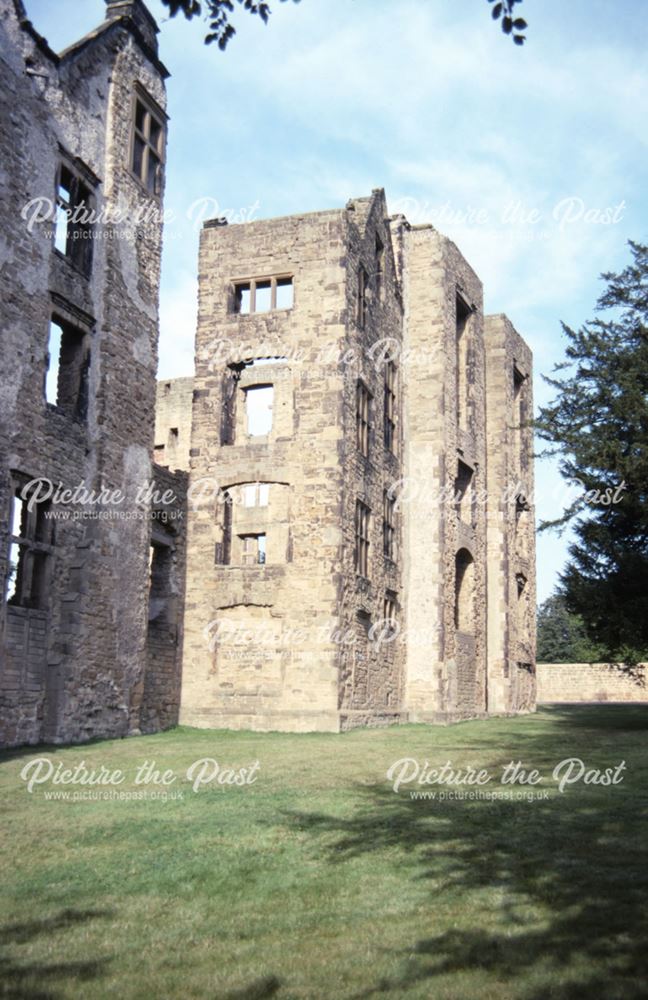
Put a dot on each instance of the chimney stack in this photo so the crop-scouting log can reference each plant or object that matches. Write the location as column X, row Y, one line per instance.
column 137, row 12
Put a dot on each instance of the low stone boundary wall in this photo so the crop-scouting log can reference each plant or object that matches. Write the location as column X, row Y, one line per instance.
column 593, row 682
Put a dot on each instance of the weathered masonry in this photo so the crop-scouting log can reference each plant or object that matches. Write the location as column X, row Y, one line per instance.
column 360, row 533
column 90, row 622
column 346, row 483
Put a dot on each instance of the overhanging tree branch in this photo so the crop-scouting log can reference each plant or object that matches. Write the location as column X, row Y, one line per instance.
column 218, row 13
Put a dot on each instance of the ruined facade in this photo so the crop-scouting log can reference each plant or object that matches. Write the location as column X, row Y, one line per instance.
column 352, row 456
column 83, row 136
column 360, row 531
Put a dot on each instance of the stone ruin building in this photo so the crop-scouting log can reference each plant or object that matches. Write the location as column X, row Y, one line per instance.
column 82, row 651
column 356, row 543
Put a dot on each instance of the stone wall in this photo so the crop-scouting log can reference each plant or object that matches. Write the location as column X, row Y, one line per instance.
column 73, row 640
column 300, row 640
column 259, row 646
column 342, row 567
column 173, row 405
column 510, row 518
column 160, row 690
column 371, row 666
column 590, row 682
column 444, row 426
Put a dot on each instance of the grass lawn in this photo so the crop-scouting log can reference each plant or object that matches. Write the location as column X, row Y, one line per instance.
column 317, row 880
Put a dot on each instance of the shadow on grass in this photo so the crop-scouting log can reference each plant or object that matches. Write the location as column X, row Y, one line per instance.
column 260, row 989
column 32, row 980
column 43, row 749
column 571, row 874
column 629, row 718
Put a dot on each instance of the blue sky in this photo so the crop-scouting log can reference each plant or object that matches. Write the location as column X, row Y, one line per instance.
column 429, row 100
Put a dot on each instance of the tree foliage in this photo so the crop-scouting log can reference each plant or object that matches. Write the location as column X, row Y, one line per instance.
column 561, row 635
column 218, row 13
column 598, row 424
column 511, row 25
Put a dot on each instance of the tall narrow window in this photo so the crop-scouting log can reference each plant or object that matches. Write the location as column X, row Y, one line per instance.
column 519, row 416
column 228, row 409
column 522, row 518
column 379, row 264
column 522, row 604
column 148, row 144
column 462, row 361
column 258, row 408
column 389, row 526
column 263, row 295
column 464, row 591
column 390, row 407
column 30, row 545
column 68, row 365
column 362, row 539
column 361, row 307
column 161, row 554
column 173, row 442
column 74, row 212
column 363, row 401
column 53, row 362
column 389, row 612
column 223, row 551
column 464, row 493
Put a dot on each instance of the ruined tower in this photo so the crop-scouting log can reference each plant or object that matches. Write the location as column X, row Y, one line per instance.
column 360, row 545
column 84, row 136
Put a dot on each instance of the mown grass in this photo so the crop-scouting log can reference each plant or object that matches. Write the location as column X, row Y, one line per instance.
column 318, row 881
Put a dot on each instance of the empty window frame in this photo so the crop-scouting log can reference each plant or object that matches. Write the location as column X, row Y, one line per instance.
column 147, row 152
column 261, row 295
column 463, row 313
column 390, row 407
column 256, row 494
column 519, row 416
column 362, row 518
column 362, row 300
column 389, row 526
column 67, row 368
column 389, row 611
column 253, row 549
column 379, row 264
column 518, row 398
column 73, row 227
column 223, row 550
column 363, row 406
column 464, row 591
column 231, row 379
column 173, row 442
column 523, row 607
column 30, row 548
column 522, row 508
column 161, row 559
column 258, row 409
column 464, row 493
